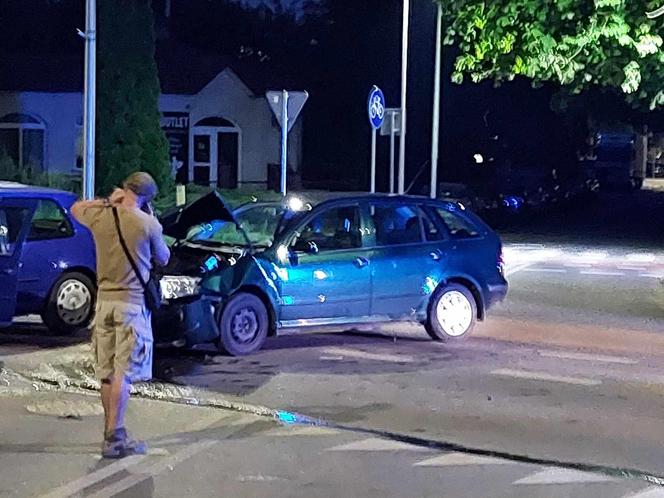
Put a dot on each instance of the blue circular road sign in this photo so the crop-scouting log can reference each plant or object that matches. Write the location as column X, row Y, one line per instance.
column 376, row 107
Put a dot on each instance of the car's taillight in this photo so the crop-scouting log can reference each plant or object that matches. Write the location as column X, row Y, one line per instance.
column 500, row 260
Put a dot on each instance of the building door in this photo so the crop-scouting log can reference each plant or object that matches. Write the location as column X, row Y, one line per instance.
column 227, row 158
column 215, row 153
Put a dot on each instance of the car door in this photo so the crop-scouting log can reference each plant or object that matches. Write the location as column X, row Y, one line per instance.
column 326, row 274
column 45, row 254
column 408, row 259
column 15, row 215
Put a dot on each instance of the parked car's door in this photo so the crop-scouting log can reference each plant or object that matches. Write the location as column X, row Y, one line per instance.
column 327, row 275
column 408, row 260
column 15, row 215
column 44, row 253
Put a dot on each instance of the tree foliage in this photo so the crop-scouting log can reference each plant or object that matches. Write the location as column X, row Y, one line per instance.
column 579, row 44
column 129, row 136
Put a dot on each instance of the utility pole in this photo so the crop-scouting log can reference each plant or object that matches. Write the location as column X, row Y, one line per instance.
column 90, row 99
column 436, row 104
column 404, row 85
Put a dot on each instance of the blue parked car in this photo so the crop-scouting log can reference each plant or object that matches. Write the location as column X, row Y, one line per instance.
column 47, row 259
column 237, row 277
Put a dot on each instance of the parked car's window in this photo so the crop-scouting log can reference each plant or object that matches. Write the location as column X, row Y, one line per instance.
column 459, row 227
column 11, row 221
column 336, row 228
column 396, row 224
column 49, row 222
column 431, row 231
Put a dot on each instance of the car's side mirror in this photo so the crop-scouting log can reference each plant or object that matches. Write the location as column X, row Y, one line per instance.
column 312, row 247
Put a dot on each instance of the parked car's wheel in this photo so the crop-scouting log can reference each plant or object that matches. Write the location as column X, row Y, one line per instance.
column 244, row 324
column 70, row 306
column 452, row 313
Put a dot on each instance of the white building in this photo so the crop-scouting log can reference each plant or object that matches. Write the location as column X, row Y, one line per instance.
column 220, row 127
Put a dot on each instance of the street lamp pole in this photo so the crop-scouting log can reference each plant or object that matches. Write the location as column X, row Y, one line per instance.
column 404, row 84
column 90, row 98
column 436, row 104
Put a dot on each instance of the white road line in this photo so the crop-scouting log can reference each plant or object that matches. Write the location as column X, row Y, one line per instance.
column 651, row 492
column 545, row 270
column 641, row 258
column 603, row 273
column 458, row 459
column 523, row 374
column 377, row 444
column 511, row 270
column 355, row 353
column 75, row 487
column 149, row 471
column 563, row 476
column 301, row 431
column 651, row 275
column 588, row 357
column 632, row 268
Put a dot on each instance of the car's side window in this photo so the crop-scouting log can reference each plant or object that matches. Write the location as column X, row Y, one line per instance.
column 432, row 232
column 458, row 226
column 11, row 222
column 396, row 224
column 333, row 229
column 49, row 222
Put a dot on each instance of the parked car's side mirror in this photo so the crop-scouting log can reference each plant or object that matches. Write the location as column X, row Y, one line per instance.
column 306, row 246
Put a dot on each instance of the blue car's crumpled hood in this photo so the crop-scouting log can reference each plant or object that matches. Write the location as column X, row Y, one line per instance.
column 208, row 208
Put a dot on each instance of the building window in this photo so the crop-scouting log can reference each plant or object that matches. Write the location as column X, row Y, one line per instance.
column 22, row 139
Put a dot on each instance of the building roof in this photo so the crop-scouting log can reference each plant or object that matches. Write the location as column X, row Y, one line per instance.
column 182, row 70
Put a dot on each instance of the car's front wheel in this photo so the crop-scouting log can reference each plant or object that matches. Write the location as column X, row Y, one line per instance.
column 452, row 313
column 70, row 305
column 244, row 324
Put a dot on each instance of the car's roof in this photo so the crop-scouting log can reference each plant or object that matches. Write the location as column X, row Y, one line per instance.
column 14, row 189
column 328, row 198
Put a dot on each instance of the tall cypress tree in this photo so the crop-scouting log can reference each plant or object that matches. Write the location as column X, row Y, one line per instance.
column 129, row 135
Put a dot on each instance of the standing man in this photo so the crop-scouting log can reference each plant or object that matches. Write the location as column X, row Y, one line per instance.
column 122, row 334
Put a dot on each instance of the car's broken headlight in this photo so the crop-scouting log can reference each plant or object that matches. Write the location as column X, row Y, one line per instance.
column 175, row 287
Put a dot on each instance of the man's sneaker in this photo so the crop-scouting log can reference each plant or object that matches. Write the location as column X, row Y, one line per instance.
column 120, row 445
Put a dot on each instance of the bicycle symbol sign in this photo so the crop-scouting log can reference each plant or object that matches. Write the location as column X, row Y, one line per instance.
column 376, row 107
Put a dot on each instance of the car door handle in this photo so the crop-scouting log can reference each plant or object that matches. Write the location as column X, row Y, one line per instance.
column 361, row 262
column 8, row 271
column 436, row 255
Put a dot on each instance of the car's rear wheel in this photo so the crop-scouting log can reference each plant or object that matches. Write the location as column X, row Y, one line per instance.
column 70, row 306
column 452, row 313
column 244, row 325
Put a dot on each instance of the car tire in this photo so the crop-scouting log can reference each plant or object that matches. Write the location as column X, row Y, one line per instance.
column 243, row 325
column 452, row 313
column 71, row 289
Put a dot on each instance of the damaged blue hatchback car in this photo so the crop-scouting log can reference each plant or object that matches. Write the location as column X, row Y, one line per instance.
column 237, row 277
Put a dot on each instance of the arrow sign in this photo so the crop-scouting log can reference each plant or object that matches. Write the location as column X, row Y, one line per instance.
column 296, row 101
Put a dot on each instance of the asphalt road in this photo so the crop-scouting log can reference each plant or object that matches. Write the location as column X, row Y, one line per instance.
column 559, row 393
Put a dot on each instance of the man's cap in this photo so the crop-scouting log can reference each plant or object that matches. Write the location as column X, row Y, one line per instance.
column 141, row 184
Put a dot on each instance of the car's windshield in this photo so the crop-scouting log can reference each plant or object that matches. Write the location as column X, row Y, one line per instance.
column 260, row 223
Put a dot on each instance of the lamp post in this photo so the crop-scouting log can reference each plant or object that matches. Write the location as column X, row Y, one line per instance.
column 90, row 98
column 436, row 104
column 404, row 85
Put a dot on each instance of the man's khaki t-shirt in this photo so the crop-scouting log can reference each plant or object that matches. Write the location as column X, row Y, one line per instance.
column 116, row 279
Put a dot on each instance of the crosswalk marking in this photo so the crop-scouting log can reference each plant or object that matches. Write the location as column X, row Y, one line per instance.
column 365, row 355
column 651, row 492
column 545, row 270
column 458, row 459
column 603, row 273
column 588, row 357
column 523, row 374
column 563, row 476
column 377, row 444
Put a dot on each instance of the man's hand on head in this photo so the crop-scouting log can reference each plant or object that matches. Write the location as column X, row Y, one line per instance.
column 117, row 197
